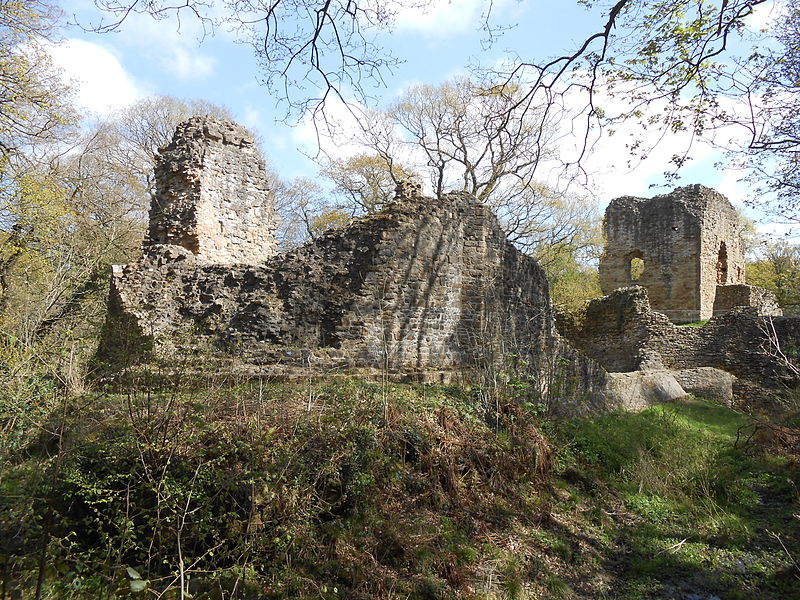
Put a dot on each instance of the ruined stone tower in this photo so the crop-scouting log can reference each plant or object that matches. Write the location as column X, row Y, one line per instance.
column 212, row 195
column 680, row 246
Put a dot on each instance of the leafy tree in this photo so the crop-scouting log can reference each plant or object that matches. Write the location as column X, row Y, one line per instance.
column 34, row 104
column 572, row 284
column 482, row 140
column 778, row 270
column 70, row 217
column 364, row 183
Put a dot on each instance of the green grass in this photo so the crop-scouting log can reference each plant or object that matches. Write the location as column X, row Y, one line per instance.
column 701, row 511
column 700, row 323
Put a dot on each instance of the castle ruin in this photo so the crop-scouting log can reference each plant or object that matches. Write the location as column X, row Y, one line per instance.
column 424, row 289
column 680, row 246
column 212, row 195
column 428, row 290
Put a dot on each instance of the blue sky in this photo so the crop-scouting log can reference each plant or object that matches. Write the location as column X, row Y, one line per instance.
column 167, row 57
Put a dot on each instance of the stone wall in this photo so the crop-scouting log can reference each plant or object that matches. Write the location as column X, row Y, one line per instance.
column 739, row 295
column 426, row 289
column 622, row 333
column 213, row 197
column 689, row 241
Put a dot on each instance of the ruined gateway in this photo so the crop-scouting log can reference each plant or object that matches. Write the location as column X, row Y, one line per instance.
column 427, row 290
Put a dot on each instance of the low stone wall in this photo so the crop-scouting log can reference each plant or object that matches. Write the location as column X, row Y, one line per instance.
column 621, row 333
column 734, row 296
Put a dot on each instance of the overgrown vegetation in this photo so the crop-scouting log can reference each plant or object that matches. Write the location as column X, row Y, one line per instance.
column 346, row 489
column 709, row 495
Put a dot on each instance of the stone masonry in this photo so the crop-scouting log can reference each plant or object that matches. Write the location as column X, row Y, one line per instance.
column 213, row 197
column 732, row 296
column 424, row 290
column 623, row 334
column 427, row 289
column 689, row 242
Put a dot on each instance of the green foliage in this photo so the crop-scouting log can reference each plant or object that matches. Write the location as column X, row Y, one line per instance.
column 250, row 486
column 778, row 270
column 572, row 285
column 700, row 323
column 34, row 103
column 364, row 183
column 699, row 500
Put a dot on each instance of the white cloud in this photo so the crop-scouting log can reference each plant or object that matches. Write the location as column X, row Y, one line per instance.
column 252, row 118
column 732, row 187
column 336, row 135
column 614, row 170
column 190, row 64
column 170, row 45
column 445, row 17
column 102, row 83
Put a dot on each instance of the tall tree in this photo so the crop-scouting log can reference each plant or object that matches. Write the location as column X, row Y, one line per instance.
column 34, row 103
column 777, row 268
column 74, row 214
column 479, row 139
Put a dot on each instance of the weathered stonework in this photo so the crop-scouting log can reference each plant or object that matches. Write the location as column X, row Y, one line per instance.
column 689, row 241
column 213, row 197
column 623, row 334
column 733, row 296
column 427, row 289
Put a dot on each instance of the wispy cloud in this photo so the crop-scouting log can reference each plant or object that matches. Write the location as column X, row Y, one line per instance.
column 170, row 45
column 101, row 82
column 446, row 17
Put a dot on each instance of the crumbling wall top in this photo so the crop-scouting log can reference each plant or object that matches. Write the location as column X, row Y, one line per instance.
column 213, row 196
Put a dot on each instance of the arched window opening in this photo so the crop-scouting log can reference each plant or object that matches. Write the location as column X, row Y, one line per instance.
column 635, row 266
column 722, row 265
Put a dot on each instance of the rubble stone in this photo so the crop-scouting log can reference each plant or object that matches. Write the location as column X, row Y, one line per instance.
column 212, row 196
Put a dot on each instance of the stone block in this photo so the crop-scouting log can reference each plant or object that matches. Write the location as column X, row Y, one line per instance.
column 742, row 295
column 707, row 382
column 640, row 389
